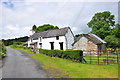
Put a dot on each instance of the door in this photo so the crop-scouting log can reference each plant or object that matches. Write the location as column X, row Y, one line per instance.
column 61, row 45
column 52, row 45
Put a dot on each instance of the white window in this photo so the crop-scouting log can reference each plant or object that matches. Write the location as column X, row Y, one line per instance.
column 31, row 40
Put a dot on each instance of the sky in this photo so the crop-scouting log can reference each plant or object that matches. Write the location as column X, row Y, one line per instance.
column 18, row 16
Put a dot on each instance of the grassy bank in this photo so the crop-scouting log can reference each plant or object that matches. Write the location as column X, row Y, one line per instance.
column 65, row 68
column 2, row 50
column 77, row 70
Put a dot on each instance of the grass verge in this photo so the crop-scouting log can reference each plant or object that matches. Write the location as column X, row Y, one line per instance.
column 63, row 68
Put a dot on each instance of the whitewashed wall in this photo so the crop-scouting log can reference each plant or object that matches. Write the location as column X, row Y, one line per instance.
column 46, row 43
column 69, row 39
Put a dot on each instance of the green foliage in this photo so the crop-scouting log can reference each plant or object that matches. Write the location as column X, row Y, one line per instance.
column 11, row 41
column 75, row 55
column 34, row 27
column 44, row 27
column 112, row 41
column 2, row 50
column 116, row 30
column 101, row 24
column 20, row 45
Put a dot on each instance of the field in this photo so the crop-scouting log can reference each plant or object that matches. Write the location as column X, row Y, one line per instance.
column 63, row 68
column 91, row 59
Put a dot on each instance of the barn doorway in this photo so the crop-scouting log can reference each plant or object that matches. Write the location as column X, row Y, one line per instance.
column 52, row 45
column 61, row 45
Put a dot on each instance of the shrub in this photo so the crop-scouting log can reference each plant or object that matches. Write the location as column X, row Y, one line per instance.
column 2, row 50
column 75, row 55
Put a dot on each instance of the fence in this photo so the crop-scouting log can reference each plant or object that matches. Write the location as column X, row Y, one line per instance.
column 105, row 57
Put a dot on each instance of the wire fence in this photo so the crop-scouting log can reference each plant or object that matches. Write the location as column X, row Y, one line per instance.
column 106, row 57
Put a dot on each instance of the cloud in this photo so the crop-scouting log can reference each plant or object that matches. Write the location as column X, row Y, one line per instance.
column 18, row 20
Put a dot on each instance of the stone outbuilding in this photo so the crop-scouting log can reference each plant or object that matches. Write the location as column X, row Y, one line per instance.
column 89, row 43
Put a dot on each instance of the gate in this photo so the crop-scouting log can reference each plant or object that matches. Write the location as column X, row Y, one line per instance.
column 100, row 57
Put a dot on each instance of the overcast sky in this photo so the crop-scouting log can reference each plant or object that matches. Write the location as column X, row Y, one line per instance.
column 18, row 16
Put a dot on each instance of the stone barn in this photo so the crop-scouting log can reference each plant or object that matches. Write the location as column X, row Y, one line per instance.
column 89, row 43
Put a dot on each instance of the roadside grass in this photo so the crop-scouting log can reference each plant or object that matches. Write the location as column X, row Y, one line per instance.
column 24, row 50
column 63, row 68
column 78, row 70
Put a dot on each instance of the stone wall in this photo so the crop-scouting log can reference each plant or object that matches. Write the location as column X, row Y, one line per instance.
column 86, row 45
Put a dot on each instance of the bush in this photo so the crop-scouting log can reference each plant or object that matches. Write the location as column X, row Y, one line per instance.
column 75, row 55
column 2, row 50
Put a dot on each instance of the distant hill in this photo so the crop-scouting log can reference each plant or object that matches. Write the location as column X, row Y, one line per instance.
column 11, row 41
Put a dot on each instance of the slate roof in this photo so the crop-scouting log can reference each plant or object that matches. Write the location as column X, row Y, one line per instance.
column 92, row 37
column 50, row 33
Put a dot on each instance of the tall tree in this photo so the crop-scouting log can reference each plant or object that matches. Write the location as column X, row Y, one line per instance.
column 113, row 40
column 102, row 23
column 34, row 27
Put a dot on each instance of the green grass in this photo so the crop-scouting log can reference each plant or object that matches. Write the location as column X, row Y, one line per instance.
column 24, row 50
column 63, row 68
column 94, row 59
column 78, row 70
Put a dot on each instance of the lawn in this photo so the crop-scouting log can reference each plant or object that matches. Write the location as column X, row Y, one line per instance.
column 63, row 68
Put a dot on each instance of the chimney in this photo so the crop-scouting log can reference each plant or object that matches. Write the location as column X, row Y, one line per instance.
column 32, row 32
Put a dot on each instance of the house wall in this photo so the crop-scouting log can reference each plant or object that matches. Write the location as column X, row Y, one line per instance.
column 29, row 41
column 69, row 39
column 84, row 44
column 46, row 43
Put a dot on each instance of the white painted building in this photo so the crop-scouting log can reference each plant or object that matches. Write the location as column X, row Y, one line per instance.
column 59, row 39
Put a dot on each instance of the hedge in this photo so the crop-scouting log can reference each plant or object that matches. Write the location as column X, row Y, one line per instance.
column 74, row 55
column 2, row 50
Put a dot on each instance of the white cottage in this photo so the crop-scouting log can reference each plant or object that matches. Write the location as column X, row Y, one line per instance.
column 59, row 39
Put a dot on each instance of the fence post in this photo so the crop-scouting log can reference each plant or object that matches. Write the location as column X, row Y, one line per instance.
column 98, row 57
column 118, row 57
column 107, row 58
column 90, row 57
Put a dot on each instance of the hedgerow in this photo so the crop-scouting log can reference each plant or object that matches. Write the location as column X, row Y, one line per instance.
column 74, row 55
column 2, row 50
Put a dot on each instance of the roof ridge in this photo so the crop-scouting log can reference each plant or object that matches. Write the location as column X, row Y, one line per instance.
column 54, row 29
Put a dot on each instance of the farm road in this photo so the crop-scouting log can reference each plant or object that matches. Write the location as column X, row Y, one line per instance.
column 18, row 65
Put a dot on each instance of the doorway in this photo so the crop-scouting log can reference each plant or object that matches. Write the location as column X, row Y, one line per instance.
column 52, row 45
column 61, row 45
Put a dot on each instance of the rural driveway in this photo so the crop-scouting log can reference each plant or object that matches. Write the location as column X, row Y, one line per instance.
column 18, row 65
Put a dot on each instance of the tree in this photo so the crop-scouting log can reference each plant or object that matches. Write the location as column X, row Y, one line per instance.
column 116, row 31
column 102, row 23
column 34, row 27
column 45, row 27
column 112, row 41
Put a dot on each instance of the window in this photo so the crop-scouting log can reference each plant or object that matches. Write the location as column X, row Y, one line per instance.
column 57, row 37
column 40, row 45
column 61, row 45
column 31, row 40
column 40, row 39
